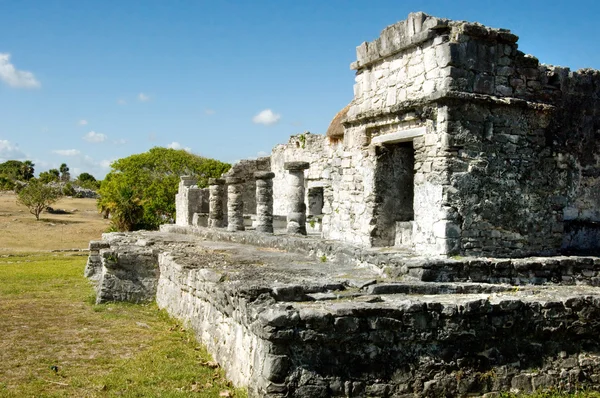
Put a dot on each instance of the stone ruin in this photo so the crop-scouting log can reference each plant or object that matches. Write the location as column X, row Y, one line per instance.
column 440, row 240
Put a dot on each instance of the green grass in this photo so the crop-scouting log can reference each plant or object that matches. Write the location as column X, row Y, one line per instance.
column 57, row 343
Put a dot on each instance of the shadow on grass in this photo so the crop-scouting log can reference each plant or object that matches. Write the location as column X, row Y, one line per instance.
column 59, row 221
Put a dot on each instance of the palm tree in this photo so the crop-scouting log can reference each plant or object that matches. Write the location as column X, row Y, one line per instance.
column 64, row 172
column 27, row 170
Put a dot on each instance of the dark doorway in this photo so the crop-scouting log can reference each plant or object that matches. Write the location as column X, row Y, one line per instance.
column 315, row 201
column 394, row 190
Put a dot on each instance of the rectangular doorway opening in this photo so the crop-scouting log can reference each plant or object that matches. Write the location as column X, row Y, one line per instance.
column 394, row 191
column 315, row 201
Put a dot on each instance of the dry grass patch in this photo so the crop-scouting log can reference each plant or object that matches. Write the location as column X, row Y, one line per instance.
column 56, row 342
column 19, row 231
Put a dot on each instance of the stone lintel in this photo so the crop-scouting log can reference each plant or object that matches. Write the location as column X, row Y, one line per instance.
column 188, row 180
column 374, row 117
column 399, row 136
column 234, row 180
column 264, row 175
column 296, row 166
column 216, row 181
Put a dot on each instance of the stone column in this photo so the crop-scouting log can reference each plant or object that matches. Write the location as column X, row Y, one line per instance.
column 215, row 203
column 296, row 218
column 264, row 201
column 184, row 203
column 235, row 204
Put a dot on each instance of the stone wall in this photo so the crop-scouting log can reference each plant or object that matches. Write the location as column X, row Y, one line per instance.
column 285, row 325
column 189, row 200
column 123, row 268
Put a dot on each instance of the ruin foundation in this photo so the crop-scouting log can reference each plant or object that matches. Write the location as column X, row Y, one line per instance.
column 300, row 325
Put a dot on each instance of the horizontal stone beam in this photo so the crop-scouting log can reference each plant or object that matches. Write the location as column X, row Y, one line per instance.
column 399, row 136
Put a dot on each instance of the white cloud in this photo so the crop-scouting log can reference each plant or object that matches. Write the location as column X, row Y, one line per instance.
column 94, row 137
column 177, row 145
column 10, row 151
column 143, row 97
column 67, row 152
column 105, row 164
column 120, row 141
column 266, row 117
column 13, row 77
column 82, row 122
column 209, row 112
column 121, row 101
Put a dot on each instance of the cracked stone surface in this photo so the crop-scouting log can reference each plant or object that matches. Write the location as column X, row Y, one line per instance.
column 289, row 324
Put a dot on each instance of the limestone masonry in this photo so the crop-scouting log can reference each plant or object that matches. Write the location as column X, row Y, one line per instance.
column 440, row 240
column 455, row 143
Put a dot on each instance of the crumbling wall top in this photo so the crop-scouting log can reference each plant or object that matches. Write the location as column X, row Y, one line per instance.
column 418, row 28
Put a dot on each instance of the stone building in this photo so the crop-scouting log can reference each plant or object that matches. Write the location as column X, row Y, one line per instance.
column 455, row 143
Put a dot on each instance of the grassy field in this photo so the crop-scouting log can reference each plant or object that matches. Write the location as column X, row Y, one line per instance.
column 19, row 230
column 55, row 342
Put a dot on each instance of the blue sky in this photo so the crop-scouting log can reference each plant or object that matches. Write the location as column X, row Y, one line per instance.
column 86, row 82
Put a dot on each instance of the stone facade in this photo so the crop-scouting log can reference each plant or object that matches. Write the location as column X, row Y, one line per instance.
column 456, row 143
column 505, row 149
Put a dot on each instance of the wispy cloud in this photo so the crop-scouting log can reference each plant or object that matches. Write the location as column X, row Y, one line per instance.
column 9, row 151
column 177, row 145
column 94, row 137
column 266, row 117
column 121, row 101
column 82, row 122
column 209, row 112
column 67, row 152
column 120, row 141
column 14, row 77
column 143, row 97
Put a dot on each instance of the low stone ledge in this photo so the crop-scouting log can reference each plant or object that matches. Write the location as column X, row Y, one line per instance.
column 453, row 340
column 568, row 270
column 287, row 324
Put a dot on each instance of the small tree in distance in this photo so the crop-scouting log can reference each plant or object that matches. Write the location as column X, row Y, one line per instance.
column 52, row 175
column 36, row 196
column 64, row 173
column 86, row 180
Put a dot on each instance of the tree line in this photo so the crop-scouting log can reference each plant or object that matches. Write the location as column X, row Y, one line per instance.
column 13, row 172
column 138, row 192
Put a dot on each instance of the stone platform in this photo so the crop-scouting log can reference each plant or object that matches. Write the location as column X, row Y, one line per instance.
column 311, row 323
